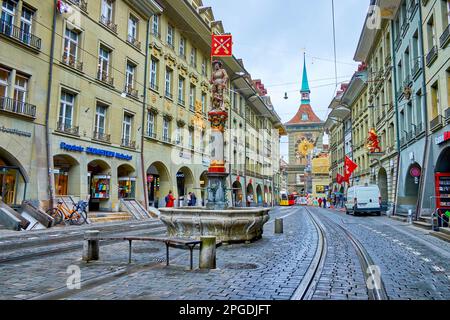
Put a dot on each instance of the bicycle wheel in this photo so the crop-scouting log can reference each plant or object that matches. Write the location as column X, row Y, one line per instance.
column 56, row 215
column 78, row 218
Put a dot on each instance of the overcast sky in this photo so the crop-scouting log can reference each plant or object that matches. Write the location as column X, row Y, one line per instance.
column 271, row 36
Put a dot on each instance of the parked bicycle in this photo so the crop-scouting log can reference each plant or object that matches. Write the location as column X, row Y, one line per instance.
column 75, row 216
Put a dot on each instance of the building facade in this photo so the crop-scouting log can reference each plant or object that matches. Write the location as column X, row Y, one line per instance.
column 435, row 16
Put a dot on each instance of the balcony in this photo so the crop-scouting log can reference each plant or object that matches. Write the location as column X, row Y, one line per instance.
column 412, row 10
column 72, row 62
column 387, row 62
column 100, row 136
column 108, row 23
column 405, row 28
column 181, row 102
column 156, row 34
column 18, row 107
column 166, row 139
column 68, row 128
column 134, row 42
column 132, row 92
column 436, row 123
column 445, row 37
column 432, row 56
column 417, row 68
column 82, row 4
column 398, row 43
column 419, row 129
column 170, row 45
column 105, row 77
column 127, row 143
column 403, row 141
column 18, row 34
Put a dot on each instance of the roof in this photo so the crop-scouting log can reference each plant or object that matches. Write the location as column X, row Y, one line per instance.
column 304, row 109
column 305, row 82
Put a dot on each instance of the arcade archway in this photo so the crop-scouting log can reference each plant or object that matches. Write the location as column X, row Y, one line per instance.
column 238, row 198
column 185, row 184
column 259, row 195
column 67, row 175
column 383, row 185
column 99, row 182
column 13, row 179
column 126, row 180
column 158, row 184
column 203, row 186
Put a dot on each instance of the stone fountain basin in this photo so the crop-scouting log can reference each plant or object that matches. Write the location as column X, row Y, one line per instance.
column 230, row 226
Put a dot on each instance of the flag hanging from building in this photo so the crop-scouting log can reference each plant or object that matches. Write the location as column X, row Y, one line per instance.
column 222, row 45
column 349, row 167
column 62, row 7
column 339, row 179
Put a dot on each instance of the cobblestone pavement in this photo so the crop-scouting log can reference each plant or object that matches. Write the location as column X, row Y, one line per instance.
column 414, row 264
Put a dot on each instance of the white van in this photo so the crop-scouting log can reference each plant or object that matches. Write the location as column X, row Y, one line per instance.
column 363, row 199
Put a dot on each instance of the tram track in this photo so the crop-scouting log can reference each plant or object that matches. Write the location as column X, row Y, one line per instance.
column 306, row 289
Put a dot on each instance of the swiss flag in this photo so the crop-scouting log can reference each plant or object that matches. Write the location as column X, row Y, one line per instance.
column 349, row 167
column 222, row 45
column 339, row 179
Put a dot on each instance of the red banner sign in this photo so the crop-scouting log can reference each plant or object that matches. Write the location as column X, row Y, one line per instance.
column 222, row 45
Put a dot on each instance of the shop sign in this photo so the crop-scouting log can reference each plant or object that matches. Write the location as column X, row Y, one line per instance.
column 415, row 172
column 15, row 131
column 94, row 151
column 443, row 138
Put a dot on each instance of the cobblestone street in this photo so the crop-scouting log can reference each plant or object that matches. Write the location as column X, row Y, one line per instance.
column 413, row 264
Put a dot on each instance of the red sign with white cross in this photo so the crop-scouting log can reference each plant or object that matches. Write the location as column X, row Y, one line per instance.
column 222, row 45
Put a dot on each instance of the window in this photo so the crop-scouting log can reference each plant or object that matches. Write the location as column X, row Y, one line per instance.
column 181, row 91
column 166, row 129
column 20, row 89
column 182, row 47
column 191, row 139
column 154, row 74
column 194, row 57
column 170, row 35
column 178, row 136
column 8, row 15
column 431, row 33
column 130, row 77
column 155, row 25
column 150, row 124
column 26, row 21
column 107, row 11
column 66, row 110
column 126, row 129
column 4, row 76
column 168, row 83
column 305, row 117
column 435, row 103
column 192, row 98
column 205, row 67
column 70, row 46
column 203, row 102
column 100, row 119
column 103, row 64
column 132, row 29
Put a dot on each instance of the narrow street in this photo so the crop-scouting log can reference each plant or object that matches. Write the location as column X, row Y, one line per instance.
column 413, row 264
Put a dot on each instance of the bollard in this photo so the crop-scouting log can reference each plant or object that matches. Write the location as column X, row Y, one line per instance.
column 410, row 219
column 278, row 225
column 207, row 253
column 91, row 248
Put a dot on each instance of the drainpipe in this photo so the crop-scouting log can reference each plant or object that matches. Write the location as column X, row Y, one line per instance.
column 51, row 178
column 426, row 155
column 144, row 108
column 245, row 154
column 394, row 74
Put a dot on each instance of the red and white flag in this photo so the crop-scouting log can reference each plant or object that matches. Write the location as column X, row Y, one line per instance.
column 222, row 45
column 349, row 167
column 63, row 7
column 339, row 179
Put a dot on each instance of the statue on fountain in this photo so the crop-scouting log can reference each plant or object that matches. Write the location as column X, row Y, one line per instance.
column 219, row 83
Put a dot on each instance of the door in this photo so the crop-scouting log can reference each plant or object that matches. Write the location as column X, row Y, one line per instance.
column 8, row 184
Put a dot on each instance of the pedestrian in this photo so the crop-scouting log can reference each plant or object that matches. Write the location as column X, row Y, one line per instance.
column 325, row 202
column 320, row 202
column 170, row 200
column 189, row 199
column 193, row 200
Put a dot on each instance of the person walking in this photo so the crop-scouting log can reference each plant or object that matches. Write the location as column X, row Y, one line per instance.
column 320, row 202
column 324, row 202
column 193, row 201
column 170, row 200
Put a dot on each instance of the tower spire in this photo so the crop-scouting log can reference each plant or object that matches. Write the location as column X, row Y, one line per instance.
column 305, row 91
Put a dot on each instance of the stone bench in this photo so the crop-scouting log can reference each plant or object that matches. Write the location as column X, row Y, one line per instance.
column 91, row 247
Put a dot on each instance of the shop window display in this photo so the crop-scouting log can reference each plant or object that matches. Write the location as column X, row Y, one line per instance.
column 127, row 187
column 100, row 187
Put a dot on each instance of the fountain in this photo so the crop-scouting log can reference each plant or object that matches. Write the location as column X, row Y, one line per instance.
column 216, row 219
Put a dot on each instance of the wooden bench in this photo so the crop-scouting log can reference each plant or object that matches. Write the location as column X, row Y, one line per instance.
column 91, row 250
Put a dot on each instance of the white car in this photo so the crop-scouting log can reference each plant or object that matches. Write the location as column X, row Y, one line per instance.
column 363, row 199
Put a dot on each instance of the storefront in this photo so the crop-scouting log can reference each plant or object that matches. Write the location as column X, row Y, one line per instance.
column 442, row 178
column 12, row 184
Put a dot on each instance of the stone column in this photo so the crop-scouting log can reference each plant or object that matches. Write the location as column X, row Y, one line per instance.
column 207, row 253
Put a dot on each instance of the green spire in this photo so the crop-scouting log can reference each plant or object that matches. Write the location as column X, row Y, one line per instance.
column 305, row 84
